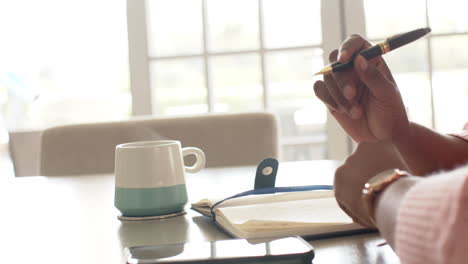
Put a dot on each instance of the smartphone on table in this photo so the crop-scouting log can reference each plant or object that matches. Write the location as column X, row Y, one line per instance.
column 290, row 250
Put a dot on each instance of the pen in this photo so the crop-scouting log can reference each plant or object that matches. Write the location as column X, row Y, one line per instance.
column 380, row 48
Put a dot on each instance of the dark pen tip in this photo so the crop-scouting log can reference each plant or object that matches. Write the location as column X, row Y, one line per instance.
column 428, row 30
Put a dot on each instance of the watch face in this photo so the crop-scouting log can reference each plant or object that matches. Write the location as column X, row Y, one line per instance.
column 381, row 177
column 379, row 181
column 375, row 185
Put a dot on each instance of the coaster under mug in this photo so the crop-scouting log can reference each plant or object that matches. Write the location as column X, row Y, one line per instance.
column 151, row 217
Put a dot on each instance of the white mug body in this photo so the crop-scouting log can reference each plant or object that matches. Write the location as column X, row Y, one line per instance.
column 150, row 177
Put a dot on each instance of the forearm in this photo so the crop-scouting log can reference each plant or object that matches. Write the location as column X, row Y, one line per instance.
column 425, row 151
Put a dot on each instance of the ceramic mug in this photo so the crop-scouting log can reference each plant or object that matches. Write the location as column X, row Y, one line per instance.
column 150, row 177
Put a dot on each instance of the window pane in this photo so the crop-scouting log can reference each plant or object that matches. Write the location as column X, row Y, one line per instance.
column 412, row 57
column 302, row 116
column 410, row 67
column 450, row 62
column 448, row 16
column 450, row 53
column 232, row 25
column 236, row 83
column 292, row 23
column 58, row 68
column 178, row 86
column 384, row 18
column 416, row 92
column 174, row 27
column 290, row 80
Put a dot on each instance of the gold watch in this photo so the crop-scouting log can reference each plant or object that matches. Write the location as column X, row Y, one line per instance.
column 376, row 185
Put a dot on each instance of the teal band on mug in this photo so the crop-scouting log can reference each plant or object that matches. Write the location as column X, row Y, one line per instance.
column 150, row 201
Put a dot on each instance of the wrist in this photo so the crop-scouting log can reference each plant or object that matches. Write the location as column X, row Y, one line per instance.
column 375, row 186
column 395, row 192
column 388, row 203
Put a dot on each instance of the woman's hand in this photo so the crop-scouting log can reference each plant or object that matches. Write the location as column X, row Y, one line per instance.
column 365, row 100
column 367, row 161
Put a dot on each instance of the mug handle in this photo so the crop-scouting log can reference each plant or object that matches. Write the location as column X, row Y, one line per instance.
column 200, row 156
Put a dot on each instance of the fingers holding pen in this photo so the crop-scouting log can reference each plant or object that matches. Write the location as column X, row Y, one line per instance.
column 322, row 93
column 347, row 81
column 339, row 91
column 322, row 89
column 343, row 89
column 334, row 90
column 350, row 46
column 355, row 44
column 377, row 82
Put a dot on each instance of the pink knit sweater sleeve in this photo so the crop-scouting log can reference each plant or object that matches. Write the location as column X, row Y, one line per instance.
column 432, row 222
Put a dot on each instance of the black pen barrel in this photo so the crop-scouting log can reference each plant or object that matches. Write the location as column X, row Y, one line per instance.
column 389, row 44
column 405, row 38
column 371, row 52
column 368, row 53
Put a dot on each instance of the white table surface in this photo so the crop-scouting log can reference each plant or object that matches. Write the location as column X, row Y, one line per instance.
column 72, row 219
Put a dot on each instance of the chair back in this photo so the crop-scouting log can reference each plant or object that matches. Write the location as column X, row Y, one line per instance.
column 24, row 147
column 226, row 139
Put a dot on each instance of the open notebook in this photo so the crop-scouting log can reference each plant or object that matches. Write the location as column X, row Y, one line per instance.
column 304, row 213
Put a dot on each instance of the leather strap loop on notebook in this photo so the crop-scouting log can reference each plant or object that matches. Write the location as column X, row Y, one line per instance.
column 265, row 176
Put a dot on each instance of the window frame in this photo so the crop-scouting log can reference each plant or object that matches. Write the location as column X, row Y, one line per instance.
column 338, row 144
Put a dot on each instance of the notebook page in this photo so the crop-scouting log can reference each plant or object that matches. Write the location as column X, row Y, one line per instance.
column 272, row 215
